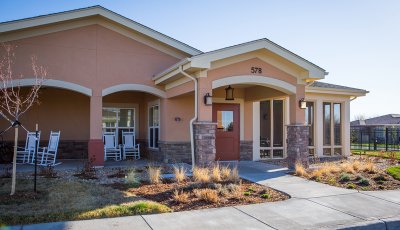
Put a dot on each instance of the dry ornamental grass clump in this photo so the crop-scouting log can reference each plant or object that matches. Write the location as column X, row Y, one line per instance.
column 181, row 197
column 180, row 174
column 225, row 173
column 216, row 173
column 299, row 170
column 208, row 195
column 201, row 175
column 154, row 174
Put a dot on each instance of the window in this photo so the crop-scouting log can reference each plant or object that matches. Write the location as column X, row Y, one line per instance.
column 332, row 128
column 154, row 126
column 272, row 129
column 309, row 115
column 225, row 121
column 118, row 120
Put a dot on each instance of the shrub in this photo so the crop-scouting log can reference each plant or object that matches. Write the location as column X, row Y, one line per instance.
column 347, row 167
column 180, row 197
column 265, row 196
column 369, row 166
column 380, row 177
column 180, row 174
column 132, row 179
column 247, row 193
column 235, row 190
column 394, row 172
column 299, row 170
column 381, row 187
column 351, row 186
column 332, row 181
column 216, row 173
column 201, row 175
column 344, row 177
column 154, row 174
column 208, row 195
column 363, row 181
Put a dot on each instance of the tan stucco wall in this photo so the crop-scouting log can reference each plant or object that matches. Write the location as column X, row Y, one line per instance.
column 58, row 109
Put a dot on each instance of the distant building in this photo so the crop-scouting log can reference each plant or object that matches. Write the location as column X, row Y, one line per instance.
column 385, row 121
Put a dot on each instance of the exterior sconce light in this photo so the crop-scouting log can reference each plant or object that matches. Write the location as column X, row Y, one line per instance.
column 229, row 94
column 302, row 104
column 207, row 99
column 178, row 119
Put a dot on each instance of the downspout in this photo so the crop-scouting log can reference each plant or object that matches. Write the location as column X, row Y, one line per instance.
column 195, row 112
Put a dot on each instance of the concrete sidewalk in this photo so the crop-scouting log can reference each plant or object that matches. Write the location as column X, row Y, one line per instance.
column 312, row 206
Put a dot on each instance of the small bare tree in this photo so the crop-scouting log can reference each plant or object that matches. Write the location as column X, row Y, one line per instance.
column 15, row 102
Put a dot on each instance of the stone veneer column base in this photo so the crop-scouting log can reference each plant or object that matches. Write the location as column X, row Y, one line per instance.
column 204, row 142
column 175, row 152
column 246, row 150
column 297, row 145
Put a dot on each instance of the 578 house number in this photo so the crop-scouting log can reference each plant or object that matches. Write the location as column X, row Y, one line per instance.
column 256, row 70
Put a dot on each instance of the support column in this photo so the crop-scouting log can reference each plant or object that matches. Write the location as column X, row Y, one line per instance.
column 95, row 145
column 297, row 131
column 204, row 142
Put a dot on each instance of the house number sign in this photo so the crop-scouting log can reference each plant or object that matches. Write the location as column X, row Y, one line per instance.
column 256, row 70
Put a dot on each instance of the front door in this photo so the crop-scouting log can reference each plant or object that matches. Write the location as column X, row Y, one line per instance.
column 227, row 136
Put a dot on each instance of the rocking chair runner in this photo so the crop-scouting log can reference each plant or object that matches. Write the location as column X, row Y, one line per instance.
column 111, row 148
column 129, row 146
column 26, row 154
column 47, row 155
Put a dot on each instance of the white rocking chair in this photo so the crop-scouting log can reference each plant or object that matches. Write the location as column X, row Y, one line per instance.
column 47, row 155
column 111, row 147
column 129, row 146
column 27, row 154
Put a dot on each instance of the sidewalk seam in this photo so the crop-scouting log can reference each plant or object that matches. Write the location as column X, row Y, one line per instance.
column 380, row 198
column 338, row 210
column 254, row 218
column 146, row 222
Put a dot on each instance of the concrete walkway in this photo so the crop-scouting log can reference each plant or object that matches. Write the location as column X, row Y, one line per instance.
column 312, row 206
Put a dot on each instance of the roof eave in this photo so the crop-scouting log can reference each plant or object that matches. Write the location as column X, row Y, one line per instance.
column 357, row 93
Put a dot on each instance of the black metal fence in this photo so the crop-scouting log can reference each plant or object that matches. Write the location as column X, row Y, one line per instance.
column 375, row 139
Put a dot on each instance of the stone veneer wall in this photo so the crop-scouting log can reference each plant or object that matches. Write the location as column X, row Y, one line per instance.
column 246, row 150
column 174, row 152
column 204, row 142
column 297, row 145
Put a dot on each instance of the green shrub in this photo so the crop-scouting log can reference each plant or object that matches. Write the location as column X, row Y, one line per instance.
column 394, row 172
column 247, row 193
column 344, row 177
column 363, row 181
column 265, row 196
column 351, row 186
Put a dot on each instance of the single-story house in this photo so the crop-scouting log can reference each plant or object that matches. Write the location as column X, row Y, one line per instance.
column 251, row 101
column 384, row 121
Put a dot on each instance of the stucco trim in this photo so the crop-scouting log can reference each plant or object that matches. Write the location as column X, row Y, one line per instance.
column 53, row 83
column 256, row 80
column 133, row 87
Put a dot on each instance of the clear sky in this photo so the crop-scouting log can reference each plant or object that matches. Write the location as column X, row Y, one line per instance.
column 356, row 41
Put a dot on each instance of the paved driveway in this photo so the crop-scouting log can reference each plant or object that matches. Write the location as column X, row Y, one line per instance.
column 312, row 206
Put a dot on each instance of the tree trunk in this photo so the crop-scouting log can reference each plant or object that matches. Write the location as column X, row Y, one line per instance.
column 14, row 172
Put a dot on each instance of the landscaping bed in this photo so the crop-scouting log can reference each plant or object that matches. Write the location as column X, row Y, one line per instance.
column 366, row 173
column 88, row 193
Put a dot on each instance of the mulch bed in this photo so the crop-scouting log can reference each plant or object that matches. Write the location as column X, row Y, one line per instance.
column 378, row 180
column 163, row 193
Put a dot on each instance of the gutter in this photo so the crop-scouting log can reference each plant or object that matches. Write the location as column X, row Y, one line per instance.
column 195, row 111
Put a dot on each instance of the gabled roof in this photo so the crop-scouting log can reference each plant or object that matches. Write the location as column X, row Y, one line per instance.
column 322, row 87
column 42, row 20
column 203, row 60
column 388, row 119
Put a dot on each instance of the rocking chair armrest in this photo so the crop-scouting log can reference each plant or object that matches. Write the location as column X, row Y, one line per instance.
column 20, row 148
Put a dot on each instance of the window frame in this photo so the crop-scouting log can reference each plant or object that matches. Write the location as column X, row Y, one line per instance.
column 153, row 145
column 332, row 146
column 312, row 148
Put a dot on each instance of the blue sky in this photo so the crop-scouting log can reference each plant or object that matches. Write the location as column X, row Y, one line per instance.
column 357, row 41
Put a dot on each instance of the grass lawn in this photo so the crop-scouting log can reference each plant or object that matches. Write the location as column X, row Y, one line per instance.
column 394, row 172
column 60, row 200
column 377, row 153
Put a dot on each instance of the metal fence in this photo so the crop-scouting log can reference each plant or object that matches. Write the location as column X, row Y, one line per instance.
column 375, row 139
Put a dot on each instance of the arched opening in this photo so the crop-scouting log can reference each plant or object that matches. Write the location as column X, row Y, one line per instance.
column 59, row 109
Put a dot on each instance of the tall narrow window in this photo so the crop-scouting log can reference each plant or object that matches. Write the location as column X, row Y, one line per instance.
column 337, row 121
column 327, row 123
column 265, row 124
column 154, row 126
column 278, row 123
column 310, row 122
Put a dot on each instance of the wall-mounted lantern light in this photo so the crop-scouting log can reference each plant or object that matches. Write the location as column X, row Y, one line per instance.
column 229, row 94
column 302, row 104
column 207, row 99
